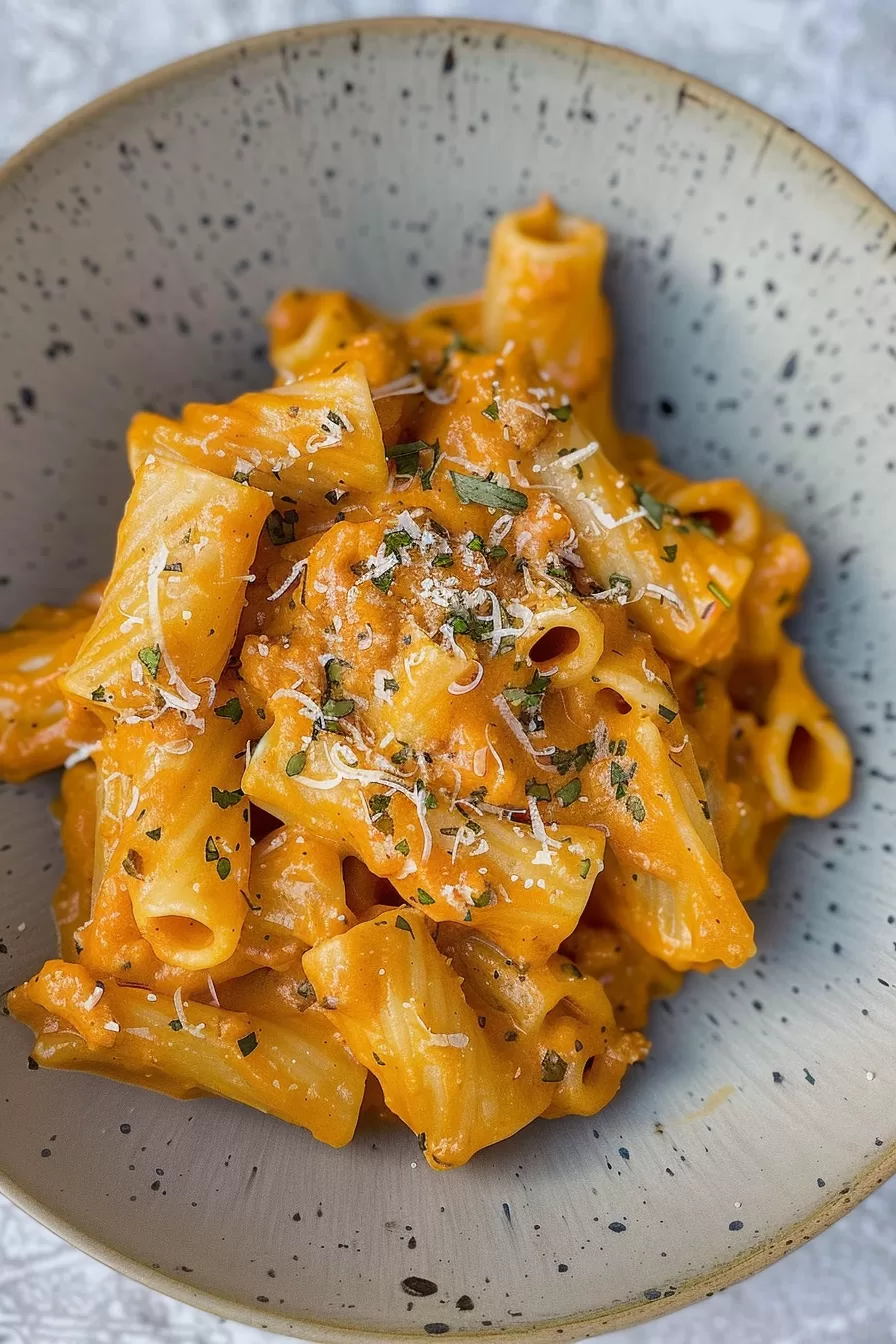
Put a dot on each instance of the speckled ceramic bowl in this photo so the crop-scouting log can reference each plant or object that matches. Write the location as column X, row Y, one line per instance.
column 754, row 286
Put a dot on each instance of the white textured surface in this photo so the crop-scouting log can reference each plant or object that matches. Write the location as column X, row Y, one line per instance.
column 824, row 67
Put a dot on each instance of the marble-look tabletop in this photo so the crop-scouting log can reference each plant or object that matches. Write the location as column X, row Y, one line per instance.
column 826, row 68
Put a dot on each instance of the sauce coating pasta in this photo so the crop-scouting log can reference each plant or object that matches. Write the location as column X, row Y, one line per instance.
column 425, row 730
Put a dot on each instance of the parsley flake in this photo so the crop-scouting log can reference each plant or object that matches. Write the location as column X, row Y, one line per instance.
column 296, row 763
column 719, row 593
column 651, row 506
column 226, row 797
column 150, row 658
column 479, row 490
column 569, row 793
column 232, row 710
column 634, row 805
column 247, row 1044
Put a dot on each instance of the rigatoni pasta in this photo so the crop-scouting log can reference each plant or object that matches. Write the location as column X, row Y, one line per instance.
column 426, row 730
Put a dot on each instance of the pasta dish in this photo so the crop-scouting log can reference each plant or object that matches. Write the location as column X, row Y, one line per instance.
column 426, row 728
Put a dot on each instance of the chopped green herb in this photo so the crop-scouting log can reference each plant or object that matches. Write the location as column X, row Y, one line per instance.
column 634, row 805
column 232, row 710
column 668, row 714
column 571, row 971
column 535, row 789
column 223, row 868
column 401, row 923
column 651, row 506
column 174, row 568
column 560, row 412
column 247, row 1044
column 175, row 1025
column 154, row 834
column 402, row 847
column 528, row 696
column 150, row 658
column 424, row 897
column 475, row 543
column 617, row 774
column 497, row 552
column 98, row 694
column 553, row 1067
column 569, row 793
column 557, row 572
column 333, row 671
column 426, row 476
column 281, row 527
column 719, row 593
column 241, row 477
column 226, row 797
column 212, row 853
column 621, row 581
column 337, row 709
column 378, row 803
column 406, row 457
column 443, row 560
column 384, row 824
column 670, row 552
column 584, row 868
column 479, row 490
column 403, row 755
column 296, row 763
column 491, row 411
column 484, row 898
column 575, row 758
column 384, row 581
column 705, row 806
column 396, row 541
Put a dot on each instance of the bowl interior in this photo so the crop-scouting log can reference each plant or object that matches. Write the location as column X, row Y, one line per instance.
column 755, row 309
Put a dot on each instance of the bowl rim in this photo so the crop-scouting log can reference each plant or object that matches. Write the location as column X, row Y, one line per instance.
column 709, row 97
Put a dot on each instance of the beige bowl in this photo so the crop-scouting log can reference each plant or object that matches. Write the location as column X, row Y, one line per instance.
column 753, row 285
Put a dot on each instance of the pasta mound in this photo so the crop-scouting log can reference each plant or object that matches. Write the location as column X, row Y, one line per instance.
column 426, row 728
